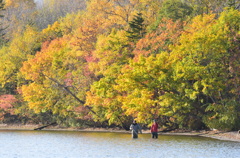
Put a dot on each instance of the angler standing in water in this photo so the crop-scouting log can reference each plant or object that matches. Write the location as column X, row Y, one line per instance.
column 135, row 128
column 154, row 129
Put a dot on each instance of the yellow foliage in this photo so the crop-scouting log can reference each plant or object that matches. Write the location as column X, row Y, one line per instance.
column 16, row 3
column 120, row 12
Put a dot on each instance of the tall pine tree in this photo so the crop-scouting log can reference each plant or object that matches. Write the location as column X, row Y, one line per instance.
column 137, row 28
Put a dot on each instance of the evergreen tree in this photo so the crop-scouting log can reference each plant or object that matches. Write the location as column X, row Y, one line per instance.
column 137, row 28
column 233, row 4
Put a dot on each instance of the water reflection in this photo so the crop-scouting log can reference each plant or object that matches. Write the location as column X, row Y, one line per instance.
column 56, row 144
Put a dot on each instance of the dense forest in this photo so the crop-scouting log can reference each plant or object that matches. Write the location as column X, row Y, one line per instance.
column 106, row 62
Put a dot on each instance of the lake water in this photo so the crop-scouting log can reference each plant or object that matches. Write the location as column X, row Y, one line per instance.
column 62, row 144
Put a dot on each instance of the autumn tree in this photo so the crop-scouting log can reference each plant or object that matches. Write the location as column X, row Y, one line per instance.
column 119, row 60
column 111, row 54
column 54, row 76
column 19, row 50
column 161, row 39
column 204, row 63
column 182, row 88
column 141, row 84
column 121, row 12
column 22, row 47
column 59, row 72
column 225, row 106
column 7, row 104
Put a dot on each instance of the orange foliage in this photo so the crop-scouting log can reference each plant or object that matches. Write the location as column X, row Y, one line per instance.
column 85, row 36
column 166, row 34
column 7, row 101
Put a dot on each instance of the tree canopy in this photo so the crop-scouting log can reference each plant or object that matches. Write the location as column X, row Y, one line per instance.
column 114, row 61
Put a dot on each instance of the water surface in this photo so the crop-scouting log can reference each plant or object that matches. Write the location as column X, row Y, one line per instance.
column 59, row 144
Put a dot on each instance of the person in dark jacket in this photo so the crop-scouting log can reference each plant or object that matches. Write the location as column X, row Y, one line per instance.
column 135, row 129
column 154, row 129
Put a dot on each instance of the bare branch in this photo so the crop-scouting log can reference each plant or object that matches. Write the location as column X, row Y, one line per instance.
column 69, row 91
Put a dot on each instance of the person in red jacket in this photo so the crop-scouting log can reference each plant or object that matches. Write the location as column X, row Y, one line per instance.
column 154, row 129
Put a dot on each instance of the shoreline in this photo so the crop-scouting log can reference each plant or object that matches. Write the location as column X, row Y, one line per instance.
column 215, row 134
column 220, row 135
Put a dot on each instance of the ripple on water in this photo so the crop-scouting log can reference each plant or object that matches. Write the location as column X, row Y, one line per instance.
column 56, row 144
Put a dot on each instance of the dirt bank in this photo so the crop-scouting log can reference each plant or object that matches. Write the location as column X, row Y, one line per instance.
column 230, row 136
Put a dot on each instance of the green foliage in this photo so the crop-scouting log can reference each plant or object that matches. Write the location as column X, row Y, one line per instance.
column 223, row 115
column 205, row 62
column 18, row 50
column 231, row 3
column 175, row 10
column 112, row 53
